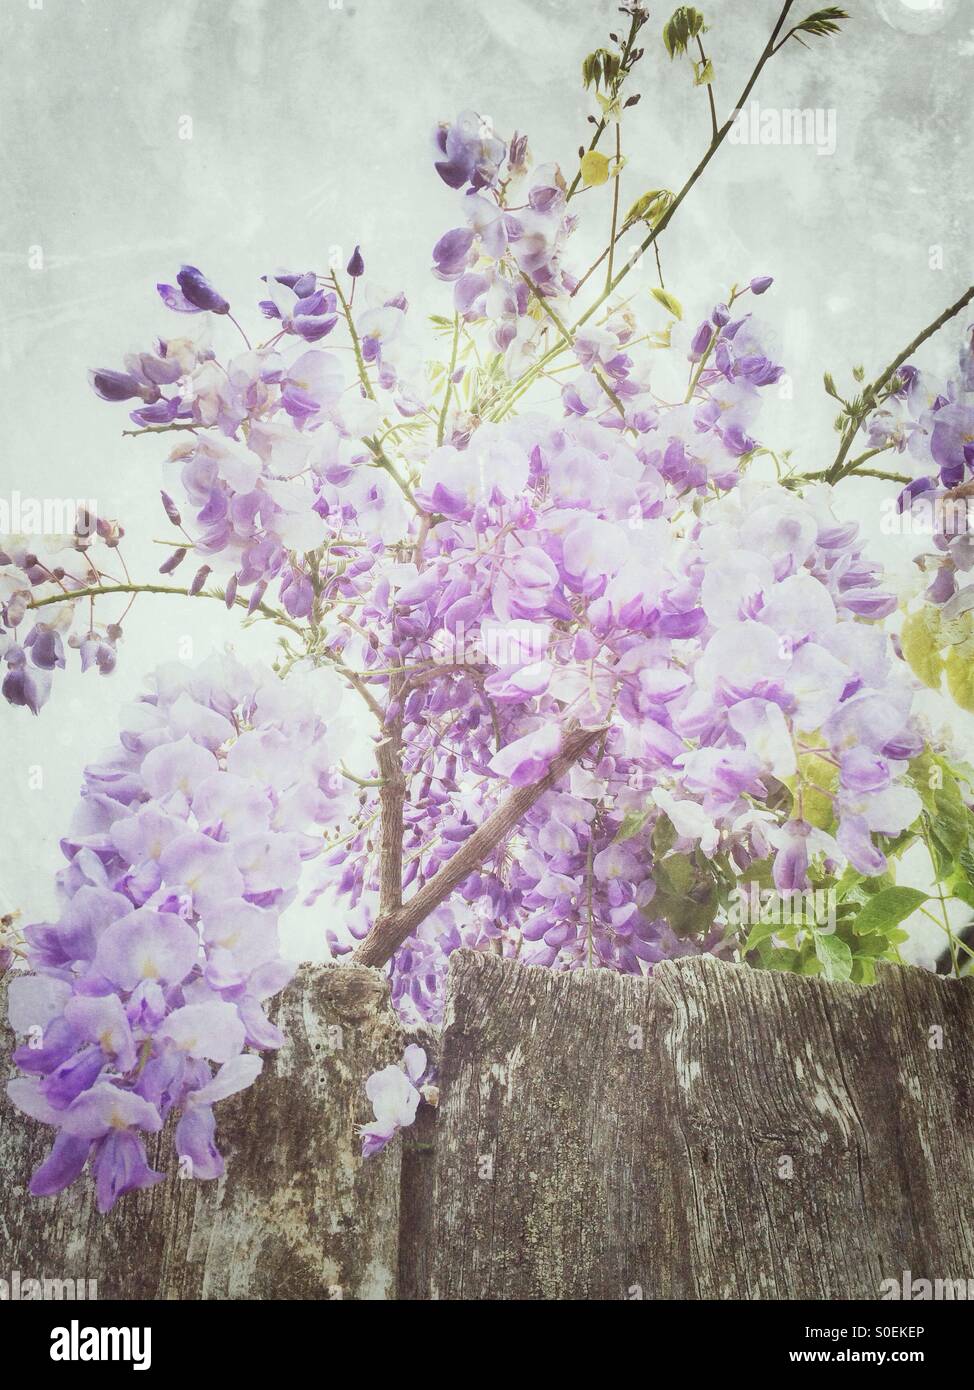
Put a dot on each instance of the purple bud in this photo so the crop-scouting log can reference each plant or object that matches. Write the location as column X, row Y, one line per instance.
column 176, row 558
column 230, row 597
column 199, row 579
column 356, row 265
column 700, row 342
column 256, row 598
column 171, row 509
column 199, row 291
column 761, row 283
column 119, row 386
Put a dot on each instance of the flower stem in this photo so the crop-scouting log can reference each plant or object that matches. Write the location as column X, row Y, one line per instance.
column 391, row 929
column 356, row 342
column 870, row 397
column 441, row 426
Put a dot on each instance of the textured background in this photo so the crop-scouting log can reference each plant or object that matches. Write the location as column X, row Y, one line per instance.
column 310, row 129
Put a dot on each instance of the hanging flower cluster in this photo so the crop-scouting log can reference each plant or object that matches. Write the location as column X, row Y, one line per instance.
column 148, row 993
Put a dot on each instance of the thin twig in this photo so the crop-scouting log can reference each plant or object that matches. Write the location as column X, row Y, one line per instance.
column 839, row 468
column 710, row 90
column 441, row 426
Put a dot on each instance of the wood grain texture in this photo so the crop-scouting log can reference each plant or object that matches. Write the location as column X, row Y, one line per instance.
column 415, row 1147
column 297, row 1214
column 716, row 1133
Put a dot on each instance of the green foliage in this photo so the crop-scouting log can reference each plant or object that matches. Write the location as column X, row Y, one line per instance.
column 668, row 301
column 601, row 69
column 687, row 893
column 920, row 641
column 594, row 169
column 887, row 910
column 651, row 207
column 632, row 823
column 822, row 22
column 947, row 822
column 682, row 26
column 959, row 667
column 934, row 645
column 864, row 914
column 703, row 72
column 834, row 955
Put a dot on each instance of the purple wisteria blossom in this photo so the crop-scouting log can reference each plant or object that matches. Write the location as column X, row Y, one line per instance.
column 184, row 852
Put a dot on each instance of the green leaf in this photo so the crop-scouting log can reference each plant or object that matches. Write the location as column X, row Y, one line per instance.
column 594, row 169
column 600, row 68
column 650, row 207
column 950, row 823
column 960, row 674
column 925, row 779
column 822, row 22
column 675, row 873
column 703, row 73
column 668, row 301
column 920, row 641
column 632, row 824
column 888, row 909
column 686, row 894
column 863, row 971
column 871, row 947
column 778, row 958
column 818, row 804
column 682, row 26
column 759, row 871
column 834, row 956
column 961, row 887
column 761, row 931
column 664, row 836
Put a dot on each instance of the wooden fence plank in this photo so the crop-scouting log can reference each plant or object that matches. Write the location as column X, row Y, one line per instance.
column 298, row 1213
column 716, row 1133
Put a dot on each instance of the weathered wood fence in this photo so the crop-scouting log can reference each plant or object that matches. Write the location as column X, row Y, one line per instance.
column 715, row 1133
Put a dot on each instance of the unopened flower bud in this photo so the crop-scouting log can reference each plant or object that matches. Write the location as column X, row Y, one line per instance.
column 170, row 509
column 176, row 558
